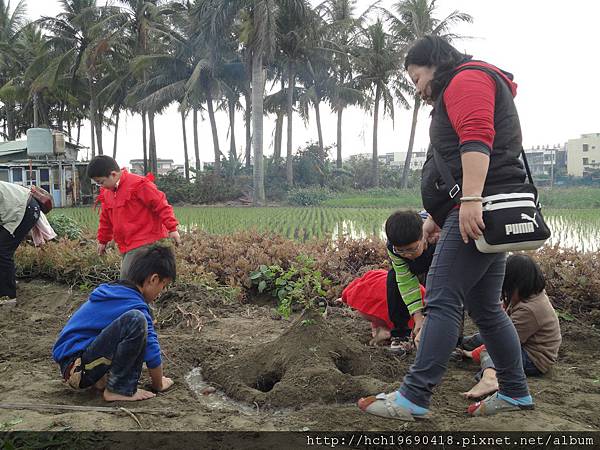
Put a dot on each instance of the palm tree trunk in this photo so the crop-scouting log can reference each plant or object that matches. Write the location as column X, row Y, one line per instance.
column 98, row 125
column 93, row 138
column 152, row 144
column 10, row 121
column 232, row 150
column 411, row 141
column 215, row 134
column 196, row 147
column 61, row 111
column 92, row 114
column 144, row 142
column 289, row 167
column 278, row 137
column 78, row 129
column 116, row 133
column 36, row 112
column 375, row 124
column 338, row 161
column 186, row 158
column 258, row 90
column 69, row 125
column 248, row 121
column 319, row 131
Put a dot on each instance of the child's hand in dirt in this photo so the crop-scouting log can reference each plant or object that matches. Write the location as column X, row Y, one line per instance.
column 416, row 332
column 465, row 353
column 101, row 249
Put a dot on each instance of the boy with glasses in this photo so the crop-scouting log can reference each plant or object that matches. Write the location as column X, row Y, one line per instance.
column 410, row 255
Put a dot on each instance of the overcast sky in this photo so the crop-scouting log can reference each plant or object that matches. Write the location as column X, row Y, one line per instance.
column 550, row 46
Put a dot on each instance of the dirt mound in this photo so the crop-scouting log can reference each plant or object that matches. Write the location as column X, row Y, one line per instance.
column 309, row 363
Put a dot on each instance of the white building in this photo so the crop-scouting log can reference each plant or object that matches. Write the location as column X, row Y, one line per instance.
column 547, row 161
column 395, row 159
column 164, row 166
column 583, row 155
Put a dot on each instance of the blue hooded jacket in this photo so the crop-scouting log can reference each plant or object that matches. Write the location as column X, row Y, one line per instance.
column 106, row 303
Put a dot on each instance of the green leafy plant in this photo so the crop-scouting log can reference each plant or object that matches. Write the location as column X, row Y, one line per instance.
column 5, row 426
column 301, row 284
column 564, row 315
column 64, row 226
column 312, row 196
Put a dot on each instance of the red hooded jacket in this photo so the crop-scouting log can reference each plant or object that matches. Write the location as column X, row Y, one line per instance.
column 135, row 214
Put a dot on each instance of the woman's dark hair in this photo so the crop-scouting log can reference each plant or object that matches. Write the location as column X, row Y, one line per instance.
column 155, row 259
column 102, row 166
column 434, row 51
column 522, row 275
column 404, row 227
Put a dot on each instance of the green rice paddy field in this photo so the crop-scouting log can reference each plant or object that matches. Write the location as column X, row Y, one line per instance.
column 575, row 228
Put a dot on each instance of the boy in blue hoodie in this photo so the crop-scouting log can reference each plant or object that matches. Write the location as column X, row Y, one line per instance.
column 111, row 335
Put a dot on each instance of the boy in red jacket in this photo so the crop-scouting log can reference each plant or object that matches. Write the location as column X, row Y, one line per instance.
column 134, row 212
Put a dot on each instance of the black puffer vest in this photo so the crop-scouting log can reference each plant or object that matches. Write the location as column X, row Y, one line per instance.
column 505, row 166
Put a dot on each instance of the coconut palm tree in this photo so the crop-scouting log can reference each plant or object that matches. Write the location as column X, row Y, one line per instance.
column 294, row 31
column 341, row 37
column 81, row 36
column 377, row 63
column 409, row 21
column 254, row 23
column 146, row 22
column 11, row 23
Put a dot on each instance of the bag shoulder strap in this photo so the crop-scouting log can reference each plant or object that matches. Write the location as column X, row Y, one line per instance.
column 450, row 181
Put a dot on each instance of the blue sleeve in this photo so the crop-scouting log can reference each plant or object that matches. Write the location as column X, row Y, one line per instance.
column 152, row 354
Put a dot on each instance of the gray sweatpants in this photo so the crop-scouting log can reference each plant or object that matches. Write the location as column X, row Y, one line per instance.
column 461, row 275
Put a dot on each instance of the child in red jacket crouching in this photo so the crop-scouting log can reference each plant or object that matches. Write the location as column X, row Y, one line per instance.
column 134, row 212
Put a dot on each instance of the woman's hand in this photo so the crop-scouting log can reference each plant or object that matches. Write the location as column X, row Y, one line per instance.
column 470, row 219
column 431, row 232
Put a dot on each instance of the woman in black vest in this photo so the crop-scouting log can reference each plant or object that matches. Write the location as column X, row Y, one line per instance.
column 476, row 133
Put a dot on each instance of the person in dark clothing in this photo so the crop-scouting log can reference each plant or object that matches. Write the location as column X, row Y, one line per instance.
column 111, row 335
column 475, row 131
column 19, row 212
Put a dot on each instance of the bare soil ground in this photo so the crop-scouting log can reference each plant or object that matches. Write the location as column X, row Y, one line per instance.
column 270, row 374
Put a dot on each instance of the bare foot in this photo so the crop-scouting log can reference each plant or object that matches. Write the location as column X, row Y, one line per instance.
column 485, row 387
column 380, row 335
column 140, row 394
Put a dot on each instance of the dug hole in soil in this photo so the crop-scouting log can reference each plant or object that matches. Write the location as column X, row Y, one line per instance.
column 269, row 373
column 309, row 363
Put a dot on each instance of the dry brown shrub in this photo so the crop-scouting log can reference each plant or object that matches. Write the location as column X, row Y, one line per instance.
column 70, row 262
column 572, row 280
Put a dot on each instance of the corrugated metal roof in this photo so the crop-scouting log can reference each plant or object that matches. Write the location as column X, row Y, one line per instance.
column 10, row 147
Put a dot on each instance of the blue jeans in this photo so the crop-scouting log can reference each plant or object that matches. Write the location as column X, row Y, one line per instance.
column 461, row 275
column 119, row 348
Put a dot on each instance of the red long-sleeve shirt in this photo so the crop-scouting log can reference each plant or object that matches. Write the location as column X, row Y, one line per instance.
column 470, row 102
column 135, row 214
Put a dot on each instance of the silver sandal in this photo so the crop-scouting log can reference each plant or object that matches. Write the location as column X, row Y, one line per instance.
column 384, row 405
column 494, row 405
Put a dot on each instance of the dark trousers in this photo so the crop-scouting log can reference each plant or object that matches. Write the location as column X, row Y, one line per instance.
column 461, row 275
column 8, row 247
column 397, row 309
column 119, row 348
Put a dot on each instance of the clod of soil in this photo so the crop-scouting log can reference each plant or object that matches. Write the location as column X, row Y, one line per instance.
column 309, row 363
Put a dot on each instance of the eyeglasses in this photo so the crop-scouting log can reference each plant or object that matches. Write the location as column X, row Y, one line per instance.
column 408, row 251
